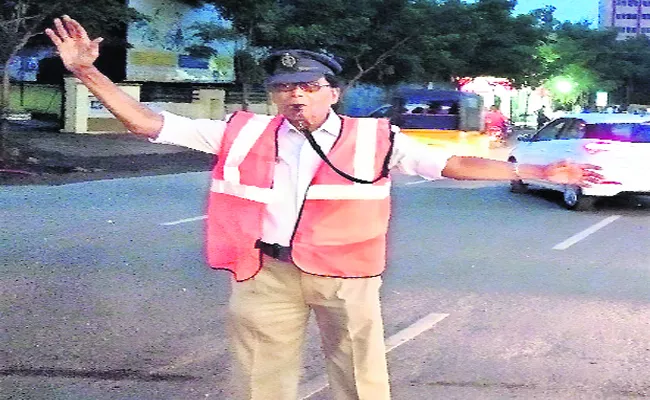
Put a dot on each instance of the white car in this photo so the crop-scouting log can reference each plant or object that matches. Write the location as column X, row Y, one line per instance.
column 618, row 143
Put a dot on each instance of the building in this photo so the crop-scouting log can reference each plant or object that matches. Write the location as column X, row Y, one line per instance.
column 629, row 17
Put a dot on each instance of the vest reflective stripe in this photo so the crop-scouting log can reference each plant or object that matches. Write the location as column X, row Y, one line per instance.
column 348, row 192
column 325, row 242
column 243, row 191
column 242, row 145
column 366, row 147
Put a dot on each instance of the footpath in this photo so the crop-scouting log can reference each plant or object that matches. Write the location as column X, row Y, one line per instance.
column 41, row 154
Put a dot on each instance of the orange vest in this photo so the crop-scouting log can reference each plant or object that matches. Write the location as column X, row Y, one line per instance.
column 341, row 230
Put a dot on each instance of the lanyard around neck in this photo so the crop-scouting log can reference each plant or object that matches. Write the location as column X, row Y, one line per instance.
column 323, row 156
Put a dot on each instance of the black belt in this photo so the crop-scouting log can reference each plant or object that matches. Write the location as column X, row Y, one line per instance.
column 282, row 253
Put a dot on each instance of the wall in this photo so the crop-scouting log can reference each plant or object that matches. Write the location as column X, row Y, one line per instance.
column 35, row 98
column 85, row 114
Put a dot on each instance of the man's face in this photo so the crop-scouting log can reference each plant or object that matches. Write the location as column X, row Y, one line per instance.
column 305, row 104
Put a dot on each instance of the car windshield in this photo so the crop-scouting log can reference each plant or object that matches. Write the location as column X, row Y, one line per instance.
column 634, row 133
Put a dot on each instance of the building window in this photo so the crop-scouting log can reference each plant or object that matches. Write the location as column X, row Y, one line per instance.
column 632, row 3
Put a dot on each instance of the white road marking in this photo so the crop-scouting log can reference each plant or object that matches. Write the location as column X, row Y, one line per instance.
column 319, row 383
column 579, row 236
column 417, row 182
column 182, row 221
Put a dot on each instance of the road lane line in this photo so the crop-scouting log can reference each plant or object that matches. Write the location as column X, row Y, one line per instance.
column 182, row 221
column 417, row 182
column 319, row 383
column 582, row 235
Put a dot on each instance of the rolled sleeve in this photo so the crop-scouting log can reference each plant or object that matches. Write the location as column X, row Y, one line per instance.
column 199, row 134
column 414, row 158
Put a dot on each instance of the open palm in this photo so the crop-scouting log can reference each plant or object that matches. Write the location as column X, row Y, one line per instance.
column 74, row 46
column 564, row 172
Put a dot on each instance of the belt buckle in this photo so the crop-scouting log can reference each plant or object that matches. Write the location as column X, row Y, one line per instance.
column 276, row 248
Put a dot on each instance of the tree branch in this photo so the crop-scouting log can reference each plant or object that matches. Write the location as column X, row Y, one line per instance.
column 378, row 61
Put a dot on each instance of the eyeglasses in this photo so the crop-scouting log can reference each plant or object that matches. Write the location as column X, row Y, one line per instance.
column 309, row 87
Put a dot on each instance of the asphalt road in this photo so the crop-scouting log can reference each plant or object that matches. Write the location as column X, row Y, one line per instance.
column 488, row 295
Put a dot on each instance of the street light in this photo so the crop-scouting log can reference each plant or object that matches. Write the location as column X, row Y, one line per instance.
column 563, row 85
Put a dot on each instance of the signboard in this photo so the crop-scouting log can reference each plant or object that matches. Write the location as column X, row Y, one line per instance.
column 160, row 45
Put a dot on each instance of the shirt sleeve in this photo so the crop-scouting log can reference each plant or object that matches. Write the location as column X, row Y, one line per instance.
column 199, row 134
column 415, row 158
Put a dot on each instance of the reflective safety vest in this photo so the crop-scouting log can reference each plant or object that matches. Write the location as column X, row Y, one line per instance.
column 341, row 229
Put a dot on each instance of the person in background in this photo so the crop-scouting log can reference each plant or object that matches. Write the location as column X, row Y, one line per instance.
column 298, row 212
column 496, row 124
column 541, row 117
column 495, row 118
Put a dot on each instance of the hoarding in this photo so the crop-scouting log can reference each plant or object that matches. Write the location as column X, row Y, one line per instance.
column 160, row 42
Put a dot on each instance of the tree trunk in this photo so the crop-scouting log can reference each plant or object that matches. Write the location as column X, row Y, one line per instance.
column 245, row 95
column 4, row 112
column 629, row 91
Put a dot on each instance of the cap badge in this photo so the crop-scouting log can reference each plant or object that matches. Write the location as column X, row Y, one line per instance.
column 288, row 61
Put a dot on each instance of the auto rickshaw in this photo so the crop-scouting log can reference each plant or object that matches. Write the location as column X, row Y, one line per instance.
column 445, row 118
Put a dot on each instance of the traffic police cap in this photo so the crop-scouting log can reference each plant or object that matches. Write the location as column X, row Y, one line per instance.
column 293, row 66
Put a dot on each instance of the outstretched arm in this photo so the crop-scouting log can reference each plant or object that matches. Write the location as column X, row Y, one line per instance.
column 562, row 172
column 78, row 54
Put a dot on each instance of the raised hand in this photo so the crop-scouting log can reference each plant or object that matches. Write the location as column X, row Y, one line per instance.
column 74, row 46
column 564, row 172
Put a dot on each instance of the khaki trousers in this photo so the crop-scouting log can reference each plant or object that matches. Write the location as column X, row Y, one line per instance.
column 268, row 319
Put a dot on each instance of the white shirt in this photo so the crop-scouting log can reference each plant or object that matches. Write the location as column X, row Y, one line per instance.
column 298, row 162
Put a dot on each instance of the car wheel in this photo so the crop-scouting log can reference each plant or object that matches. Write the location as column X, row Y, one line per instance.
column 575, row 200
column 518, row 186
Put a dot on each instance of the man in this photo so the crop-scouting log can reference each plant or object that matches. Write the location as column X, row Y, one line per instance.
column 495, row 123
column 542, row 119
column 495, row 118
column 298, row 212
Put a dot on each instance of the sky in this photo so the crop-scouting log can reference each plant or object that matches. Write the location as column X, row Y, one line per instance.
column 566, row 10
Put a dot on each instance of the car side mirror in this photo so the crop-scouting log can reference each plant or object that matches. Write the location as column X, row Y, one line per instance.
column 525, row 137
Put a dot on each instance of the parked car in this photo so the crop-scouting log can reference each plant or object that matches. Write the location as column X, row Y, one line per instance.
column 618, row 143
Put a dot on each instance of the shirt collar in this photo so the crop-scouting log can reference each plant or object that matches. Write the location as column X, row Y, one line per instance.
column 331, row 126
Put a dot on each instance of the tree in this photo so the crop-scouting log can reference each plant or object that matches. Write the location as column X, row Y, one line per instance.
column 626, row 69
column 389, row 41
column 506, row 45
column 369, row 37
column 593, row 60
column 22, row 21
column 251, row 19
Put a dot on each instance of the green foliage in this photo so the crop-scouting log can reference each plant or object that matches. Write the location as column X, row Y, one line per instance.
column 578, row 82
column 392, row 41
column 593, row 59
column 247, row 68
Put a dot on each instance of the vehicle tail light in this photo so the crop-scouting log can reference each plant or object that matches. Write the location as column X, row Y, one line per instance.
column 597, row 147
